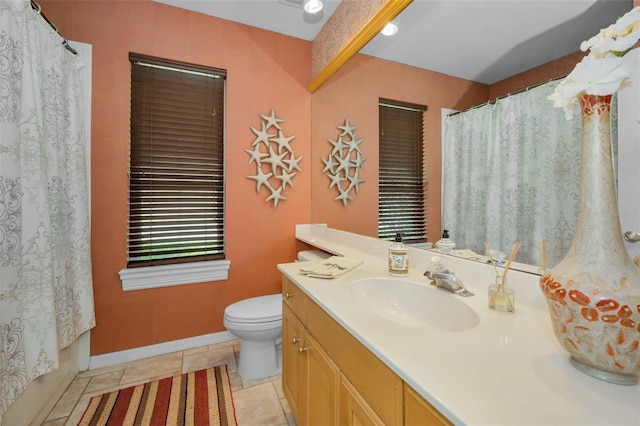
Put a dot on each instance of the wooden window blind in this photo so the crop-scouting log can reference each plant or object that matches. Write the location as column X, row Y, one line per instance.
column 401, row 191
column 176, row 175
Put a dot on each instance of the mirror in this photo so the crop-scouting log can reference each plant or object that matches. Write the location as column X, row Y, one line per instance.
column 353, row 92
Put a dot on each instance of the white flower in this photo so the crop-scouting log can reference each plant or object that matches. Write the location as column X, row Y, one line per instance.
column 617, row 38
column 607, row 67
column 593, row 76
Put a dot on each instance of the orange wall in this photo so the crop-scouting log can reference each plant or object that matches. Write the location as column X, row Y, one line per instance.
column 353, row 93
column 265, row 70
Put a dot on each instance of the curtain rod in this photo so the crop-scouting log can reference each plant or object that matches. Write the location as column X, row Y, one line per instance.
column 65, row 43
column 506, row 96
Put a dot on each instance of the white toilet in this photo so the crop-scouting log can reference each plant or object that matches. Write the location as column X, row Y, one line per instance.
column 258, row 323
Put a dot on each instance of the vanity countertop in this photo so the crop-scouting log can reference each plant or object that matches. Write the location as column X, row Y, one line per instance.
column 508, row 370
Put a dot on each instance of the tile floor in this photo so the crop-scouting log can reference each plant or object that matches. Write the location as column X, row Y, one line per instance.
column 257, row 402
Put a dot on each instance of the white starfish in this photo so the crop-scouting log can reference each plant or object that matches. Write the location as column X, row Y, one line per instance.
column 272, row 120
column 347, row 129
column 355, row 182
column 261, row 178
column 338, row 146
column 276, row 195
column 344, row 196
column 359, row 161
column 286, row 179
column 262, row 135
column 345, row 164
column 335, row 181
column 256, row 155
column 275, row 160
column 283, row 142
column 354, row 145
column 329, row 164
column 293, row 162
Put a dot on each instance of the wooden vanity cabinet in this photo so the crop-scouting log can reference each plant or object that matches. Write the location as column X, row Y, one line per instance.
column 310, row 379
column 292, row 363
column 418, row 412
column 354, row 410
column 330, row 378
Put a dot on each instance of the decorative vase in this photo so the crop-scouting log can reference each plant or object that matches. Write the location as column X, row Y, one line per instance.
column 594, row 292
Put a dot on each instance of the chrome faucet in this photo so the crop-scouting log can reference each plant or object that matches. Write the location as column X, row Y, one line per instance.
column 448, row 281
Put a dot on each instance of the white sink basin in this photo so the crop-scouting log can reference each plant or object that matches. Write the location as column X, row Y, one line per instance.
column 413, row 305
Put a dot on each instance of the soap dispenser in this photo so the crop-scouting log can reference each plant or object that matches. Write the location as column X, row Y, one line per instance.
column 445, row 245
column 398, row 258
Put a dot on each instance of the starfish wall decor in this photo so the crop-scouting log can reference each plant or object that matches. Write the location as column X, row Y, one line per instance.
column 274, row 158
column 344, row 163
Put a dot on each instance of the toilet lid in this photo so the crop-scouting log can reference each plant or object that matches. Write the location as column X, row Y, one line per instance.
column 256, row 309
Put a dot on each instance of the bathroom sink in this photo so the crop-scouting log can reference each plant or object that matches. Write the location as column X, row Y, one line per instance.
column 413, row 305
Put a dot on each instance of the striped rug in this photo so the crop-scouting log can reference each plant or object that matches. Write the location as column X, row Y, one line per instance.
column 198, row 398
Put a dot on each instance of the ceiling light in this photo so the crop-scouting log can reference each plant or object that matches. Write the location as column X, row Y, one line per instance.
column 390, row 29
column 312, row 6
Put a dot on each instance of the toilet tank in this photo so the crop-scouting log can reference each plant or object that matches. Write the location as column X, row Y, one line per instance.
column 312, row 255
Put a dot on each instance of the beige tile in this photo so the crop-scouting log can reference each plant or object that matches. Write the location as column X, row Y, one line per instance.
column 277, row 384
column 247, row 383
column 103, row 382
column 193, row 351
column 102, row 370
column 208, row 359
column 76, row 415
column 230, row 343
column 57, row 422
column 259, row 405
column 287, row 412
column 68, row 400
column 236, row 381
column 159, row 366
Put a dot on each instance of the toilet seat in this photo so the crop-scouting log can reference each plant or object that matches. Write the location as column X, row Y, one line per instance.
column 256, row 310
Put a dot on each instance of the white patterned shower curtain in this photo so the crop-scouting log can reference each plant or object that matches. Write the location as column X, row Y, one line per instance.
column 511, row 173
column 46, row 292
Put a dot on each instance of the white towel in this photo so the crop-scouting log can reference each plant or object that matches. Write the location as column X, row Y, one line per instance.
column 331, row 267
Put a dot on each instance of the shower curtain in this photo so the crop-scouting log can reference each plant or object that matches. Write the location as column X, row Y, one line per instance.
column 46, row 292
column 511, row 173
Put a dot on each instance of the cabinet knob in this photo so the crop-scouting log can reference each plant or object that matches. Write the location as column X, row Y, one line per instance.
column 302, row 350
column 288, row 295
column 294, row 340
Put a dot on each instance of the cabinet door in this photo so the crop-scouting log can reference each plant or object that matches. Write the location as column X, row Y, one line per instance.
column 418, row 412
column 293, row 374
column 354, row 410
column 323, row 381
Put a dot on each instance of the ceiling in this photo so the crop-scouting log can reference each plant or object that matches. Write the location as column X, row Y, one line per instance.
column 480, row 40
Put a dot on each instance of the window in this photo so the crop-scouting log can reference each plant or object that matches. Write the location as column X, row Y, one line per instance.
column 401, row 186
column 176, row 176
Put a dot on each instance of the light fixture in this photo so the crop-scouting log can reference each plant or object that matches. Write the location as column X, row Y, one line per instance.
column 390, row 29
column 312, row 6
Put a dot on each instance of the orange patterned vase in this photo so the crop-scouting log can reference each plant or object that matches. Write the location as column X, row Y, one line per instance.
column 594, row 293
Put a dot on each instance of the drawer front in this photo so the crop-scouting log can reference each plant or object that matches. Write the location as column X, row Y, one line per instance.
column 378, row 385
column 295, row 299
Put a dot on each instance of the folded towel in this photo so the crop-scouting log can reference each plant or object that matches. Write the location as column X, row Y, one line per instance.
column 466, row 254
column 331, row 267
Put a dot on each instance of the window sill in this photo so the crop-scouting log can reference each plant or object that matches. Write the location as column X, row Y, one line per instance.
column 172, row 275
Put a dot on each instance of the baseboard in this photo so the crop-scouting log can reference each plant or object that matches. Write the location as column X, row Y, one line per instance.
column 113, row 358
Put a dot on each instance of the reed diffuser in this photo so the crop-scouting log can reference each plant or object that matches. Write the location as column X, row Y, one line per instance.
column 501, row 298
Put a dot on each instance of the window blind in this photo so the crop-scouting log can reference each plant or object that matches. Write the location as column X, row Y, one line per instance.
column 176, row 176
column 401, row 192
